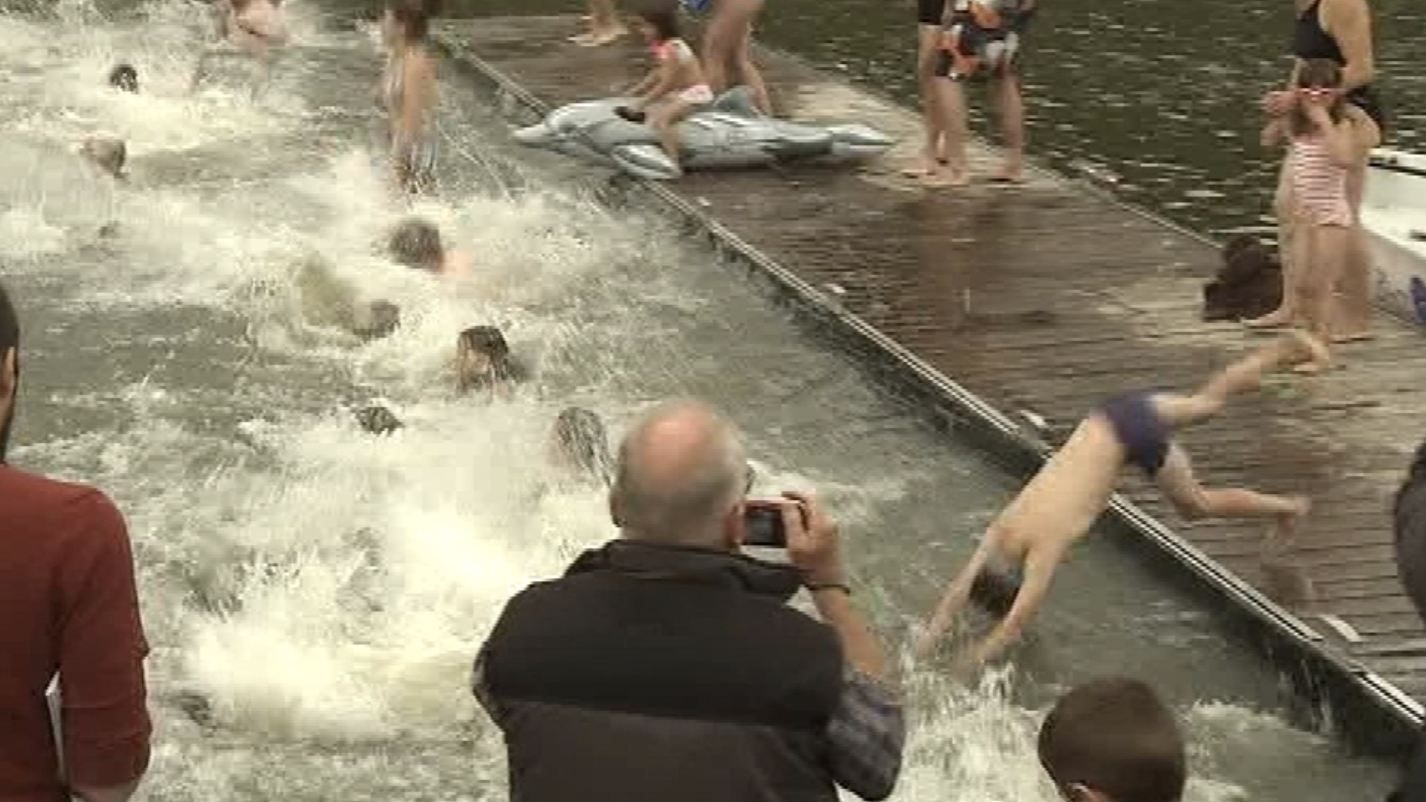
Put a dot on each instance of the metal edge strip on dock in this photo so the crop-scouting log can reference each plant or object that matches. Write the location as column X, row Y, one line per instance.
column 1334, row 679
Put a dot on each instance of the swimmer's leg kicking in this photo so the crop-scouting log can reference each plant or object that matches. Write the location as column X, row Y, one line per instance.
column 1010, row 572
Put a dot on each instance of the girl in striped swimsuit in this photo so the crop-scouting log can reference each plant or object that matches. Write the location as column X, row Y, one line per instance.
column 1325, row 137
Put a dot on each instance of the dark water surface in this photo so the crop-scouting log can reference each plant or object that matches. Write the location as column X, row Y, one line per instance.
column 1161, row 93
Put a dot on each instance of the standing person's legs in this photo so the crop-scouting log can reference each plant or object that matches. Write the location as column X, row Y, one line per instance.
column 726, row 45
column 1324, row 249
column 1286, row 312
column 1010, row 108
column 954, row 171
column 928, row 48
column 1352, row 315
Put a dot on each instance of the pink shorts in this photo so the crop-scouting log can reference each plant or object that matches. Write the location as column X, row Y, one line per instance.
column 697, row 95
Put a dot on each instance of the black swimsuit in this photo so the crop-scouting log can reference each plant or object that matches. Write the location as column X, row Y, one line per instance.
column 1309, row 40
column 930, row 12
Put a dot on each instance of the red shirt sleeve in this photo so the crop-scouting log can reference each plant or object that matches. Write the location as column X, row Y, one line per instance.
column 102, row 648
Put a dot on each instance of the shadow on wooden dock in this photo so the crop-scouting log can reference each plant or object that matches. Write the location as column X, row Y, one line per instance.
column 1048, row 297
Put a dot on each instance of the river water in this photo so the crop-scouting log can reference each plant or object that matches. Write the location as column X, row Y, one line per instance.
column 313, row 595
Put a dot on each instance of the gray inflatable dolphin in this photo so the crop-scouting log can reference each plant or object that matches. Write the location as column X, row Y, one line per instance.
column 728, row 134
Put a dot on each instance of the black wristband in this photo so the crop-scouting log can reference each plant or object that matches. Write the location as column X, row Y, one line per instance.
column 813, row 588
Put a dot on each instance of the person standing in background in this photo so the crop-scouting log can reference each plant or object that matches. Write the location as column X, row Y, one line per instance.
column 70, row 610
column 1339, row 31
column 929, row 14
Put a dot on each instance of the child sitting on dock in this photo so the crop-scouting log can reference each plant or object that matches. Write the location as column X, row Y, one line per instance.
column 1009, row 574
column 676, row 84
column 1327, row 136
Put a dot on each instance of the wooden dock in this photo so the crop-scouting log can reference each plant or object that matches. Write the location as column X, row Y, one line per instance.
column 1047, row 297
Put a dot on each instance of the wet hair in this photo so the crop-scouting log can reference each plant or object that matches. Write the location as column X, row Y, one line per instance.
column 377, row 419
column 9, row 339
column 1114, row 735
column 109, row 154
column 662, row 16
column 416, row 243
column 489, row 341
column 124, row 77
column 1317, row 73
column 581, row 435
column 381, row 319
column 414, row 16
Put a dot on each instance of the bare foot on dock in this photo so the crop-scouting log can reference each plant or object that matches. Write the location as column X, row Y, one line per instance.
column 599, row 38
column 1362, row 335
column 945, row 176
column 1277, row 319
column 1012, row 172
column 925, row 165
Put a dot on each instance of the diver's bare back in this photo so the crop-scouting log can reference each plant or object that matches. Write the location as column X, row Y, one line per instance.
column 1059, row 505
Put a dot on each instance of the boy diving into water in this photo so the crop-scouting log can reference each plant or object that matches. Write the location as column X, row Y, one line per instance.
column 1009, row 574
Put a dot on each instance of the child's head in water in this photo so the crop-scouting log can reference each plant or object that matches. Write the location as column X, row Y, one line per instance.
column 657, row 21
column 579, row 441
column 1113, row 740
column 416, row 243
column 1319, row 81
column 108, row 153
column 124, row 77
column 482, row 358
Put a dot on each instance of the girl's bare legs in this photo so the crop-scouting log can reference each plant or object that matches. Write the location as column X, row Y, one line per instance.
column 1286, row 312
column 664, row 119
column 933, row 150
column 726, row 46
column 1352, row 313
column 604, row 24
column 1010, row 107
column 1323, row 251
column 951, row 102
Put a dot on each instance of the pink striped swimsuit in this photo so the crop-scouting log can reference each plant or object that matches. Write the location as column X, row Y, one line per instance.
column 1319, row 185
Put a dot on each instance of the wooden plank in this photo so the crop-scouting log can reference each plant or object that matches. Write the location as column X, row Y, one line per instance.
column 952, row 275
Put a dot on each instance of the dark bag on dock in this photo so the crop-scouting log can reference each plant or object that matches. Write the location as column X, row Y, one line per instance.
column 1248, row 285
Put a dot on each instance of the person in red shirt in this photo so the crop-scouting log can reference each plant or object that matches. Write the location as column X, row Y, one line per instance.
column 70, row 607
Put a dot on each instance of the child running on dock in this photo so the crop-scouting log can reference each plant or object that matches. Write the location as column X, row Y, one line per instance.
column 676, row 84
column 1009, row 574
column 1326, row 136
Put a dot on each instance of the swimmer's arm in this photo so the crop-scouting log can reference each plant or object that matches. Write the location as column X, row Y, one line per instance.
column 957, row 593
column 1039, row 570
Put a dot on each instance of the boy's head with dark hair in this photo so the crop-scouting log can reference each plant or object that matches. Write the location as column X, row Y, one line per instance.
column 1415, row 478
column 124, row 77
column 1113, row 740
column 416, row 243
column 581, row 441
column 9, row 367
column 482, row 357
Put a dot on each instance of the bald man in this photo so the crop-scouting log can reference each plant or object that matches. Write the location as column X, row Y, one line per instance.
column 667, row 664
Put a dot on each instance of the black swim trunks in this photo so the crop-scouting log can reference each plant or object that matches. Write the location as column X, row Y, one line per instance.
column 1366, row 99
column 995, row 589
column 930, row 12
column 1145, row 437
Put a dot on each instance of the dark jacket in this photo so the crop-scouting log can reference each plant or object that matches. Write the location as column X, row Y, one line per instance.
column 651, row 673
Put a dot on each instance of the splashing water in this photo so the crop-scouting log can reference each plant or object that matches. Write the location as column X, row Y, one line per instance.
column 314, row 595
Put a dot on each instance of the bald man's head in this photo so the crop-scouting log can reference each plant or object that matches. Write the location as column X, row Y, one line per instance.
column 682, row 473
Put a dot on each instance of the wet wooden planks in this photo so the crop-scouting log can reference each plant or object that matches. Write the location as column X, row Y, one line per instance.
column 1048, row 297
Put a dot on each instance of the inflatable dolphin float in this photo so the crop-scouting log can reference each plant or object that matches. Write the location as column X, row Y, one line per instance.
column 728, row 134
